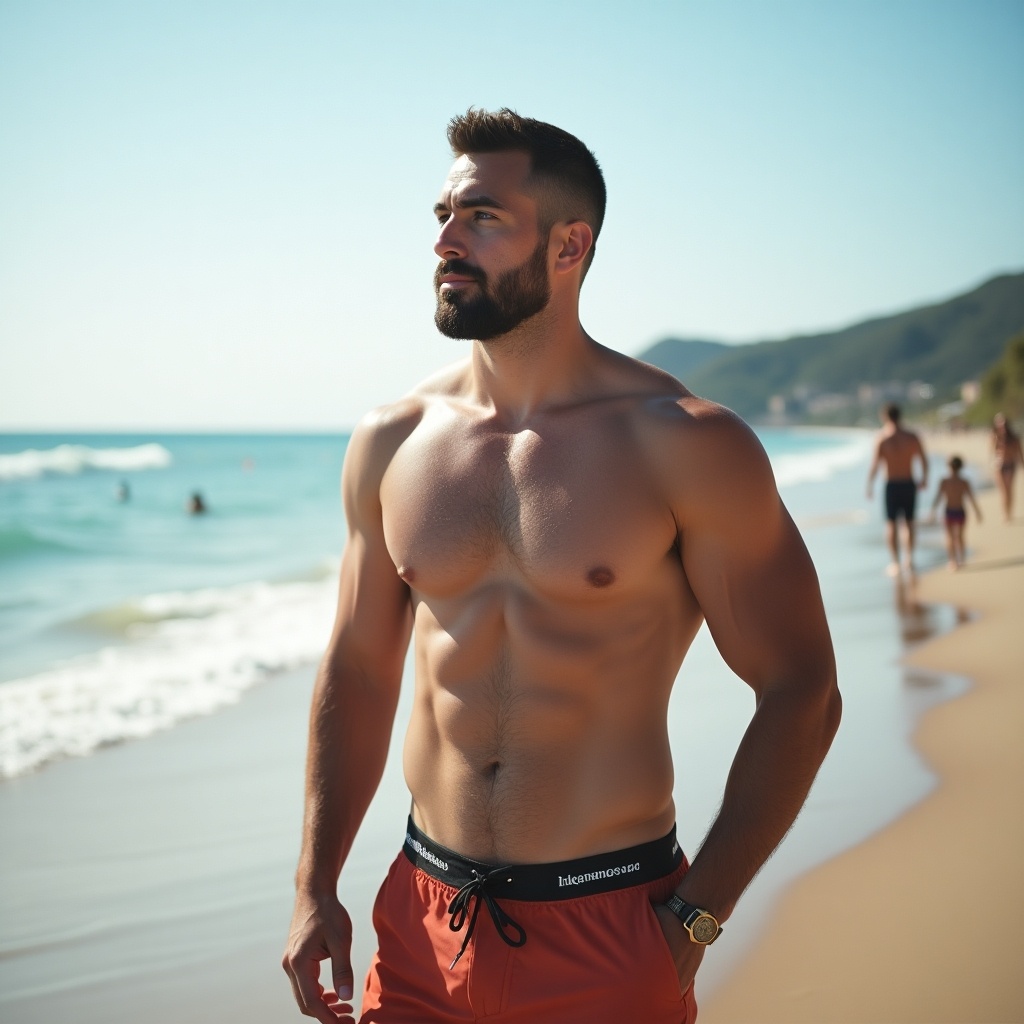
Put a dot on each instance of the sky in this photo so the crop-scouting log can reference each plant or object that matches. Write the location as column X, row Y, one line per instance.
column 217, row 215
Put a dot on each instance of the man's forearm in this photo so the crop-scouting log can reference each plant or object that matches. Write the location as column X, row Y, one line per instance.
column 872, row 473
column 776, row 762
column 349, row 735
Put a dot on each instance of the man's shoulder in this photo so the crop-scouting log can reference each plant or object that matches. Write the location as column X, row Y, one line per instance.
column 389, row 424
column 697, row 445
column 901, row 437
column 712, row 469
column 669, row 414
column 909, row 442
column 382, row 431
column 701, row 452
column 663, row 403
column 375, row 440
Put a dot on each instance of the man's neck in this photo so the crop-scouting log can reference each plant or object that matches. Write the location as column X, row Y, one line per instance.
column 544, row 363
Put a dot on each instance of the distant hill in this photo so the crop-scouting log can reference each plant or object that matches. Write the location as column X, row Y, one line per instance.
column 685, row 355
column 1002, row 387
column 939, row 346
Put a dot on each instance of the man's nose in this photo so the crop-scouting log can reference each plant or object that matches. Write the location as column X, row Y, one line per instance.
column 449, row 244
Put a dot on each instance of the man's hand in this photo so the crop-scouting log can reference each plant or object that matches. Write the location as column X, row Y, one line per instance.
column 686, row 953
column 321, row 930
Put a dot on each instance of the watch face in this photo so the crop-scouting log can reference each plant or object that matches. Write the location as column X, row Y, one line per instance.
column 704, row 929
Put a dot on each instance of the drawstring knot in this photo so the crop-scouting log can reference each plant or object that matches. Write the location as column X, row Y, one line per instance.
column 476, row 890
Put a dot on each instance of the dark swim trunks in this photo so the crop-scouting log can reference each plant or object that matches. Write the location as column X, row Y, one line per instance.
column 900, row 499
column 956, row 515
column 573, row 942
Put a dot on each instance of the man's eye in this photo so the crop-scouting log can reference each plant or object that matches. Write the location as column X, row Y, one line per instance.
column 484, row 215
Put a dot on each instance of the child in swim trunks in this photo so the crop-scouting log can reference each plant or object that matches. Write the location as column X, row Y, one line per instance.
column 955, row 490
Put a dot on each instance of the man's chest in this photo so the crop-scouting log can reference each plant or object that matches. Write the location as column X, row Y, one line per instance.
column 567, row 512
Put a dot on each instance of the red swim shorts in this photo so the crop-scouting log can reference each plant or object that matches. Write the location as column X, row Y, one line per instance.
column 575, row 942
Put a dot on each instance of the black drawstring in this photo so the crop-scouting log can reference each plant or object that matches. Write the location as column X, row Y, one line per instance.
column 476, row 888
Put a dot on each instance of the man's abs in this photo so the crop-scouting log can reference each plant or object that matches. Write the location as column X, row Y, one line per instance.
column 536, row 739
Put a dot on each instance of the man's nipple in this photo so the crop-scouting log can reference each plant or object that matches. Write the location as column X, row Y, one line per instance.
column 407, row 572
column 601, row 576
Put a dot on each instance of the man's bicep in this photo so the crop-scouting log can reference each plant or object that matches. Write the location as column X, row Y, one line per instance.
column 373, row 622
column 756, row 585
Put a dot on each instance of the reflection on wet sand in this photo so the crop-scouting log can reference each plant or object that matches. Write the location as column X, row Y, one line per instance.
column 919, row 621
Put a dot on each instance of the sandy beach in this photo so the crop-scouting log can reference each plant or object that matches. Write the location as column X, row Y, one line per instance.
column 151, row 879
column 921, row 921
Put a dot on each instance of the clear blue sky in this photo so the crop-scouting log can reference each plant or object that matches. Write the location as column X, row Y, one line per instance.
column 218, row 214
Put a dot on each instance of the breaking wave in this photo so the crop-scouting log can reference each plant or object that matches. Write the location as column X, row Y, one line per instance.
column 68, row 459
column 185, row 654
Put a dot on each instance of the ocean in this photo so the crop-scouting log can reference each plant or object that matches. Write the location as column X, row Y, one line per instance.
column 122, row 614
column 154, row 679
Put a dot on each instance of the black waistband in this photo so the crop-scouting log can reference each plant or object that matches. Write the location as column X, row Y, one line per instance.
column 603, row 872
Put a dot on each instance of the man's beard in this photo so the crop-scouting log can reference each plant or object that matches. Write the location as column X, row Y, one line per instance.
column 516, row 295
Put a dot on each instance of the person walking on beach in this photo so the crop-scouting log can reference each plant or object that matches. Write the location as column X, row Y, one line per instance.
column 898, row 449
column 1006, row 449
column 551, row 521
column 954, row 490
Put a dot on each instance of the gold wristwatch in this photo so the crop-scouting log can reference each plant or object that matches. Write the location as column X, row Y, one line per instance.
column 702, row 926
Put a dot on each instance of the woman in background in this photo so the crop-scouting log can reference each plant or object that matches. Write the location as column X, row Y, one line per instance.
column 1007, row 451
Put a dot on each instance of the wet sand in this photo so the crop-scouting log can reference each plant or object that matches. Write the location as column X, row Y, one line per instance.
column 921, row 922
column 152, row 880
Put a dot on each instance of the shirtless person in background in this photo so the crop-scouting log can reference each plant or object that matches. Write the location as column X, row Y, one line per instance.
column 899, row 448
column 552, row 521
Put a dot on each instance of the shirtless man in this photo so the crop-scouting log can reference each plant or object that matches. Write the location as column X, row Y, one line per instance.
column 899, row 448
column 552, row 521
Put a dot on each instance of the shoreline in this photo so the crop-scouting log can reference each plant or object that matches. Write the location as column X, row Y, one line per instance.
column 916, row 922
column 185, row 843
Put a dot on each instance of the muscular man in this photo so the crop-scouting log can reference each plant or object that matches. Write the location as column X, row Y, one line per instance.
column 552, row 521
column 898, row 449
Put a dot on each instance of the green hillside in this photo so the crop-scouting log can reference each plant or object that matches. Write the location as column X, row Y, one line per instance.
column 941, row 346
column 685, row 355
column 1002, row 387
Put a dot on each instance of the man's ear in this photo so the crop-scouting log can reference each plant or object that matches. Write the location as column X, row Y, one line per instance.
column 574, row 240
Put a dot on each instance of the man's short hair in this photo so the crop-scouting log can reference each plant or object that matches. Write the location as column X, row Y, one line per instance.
column 568, row 173
column 892, row 413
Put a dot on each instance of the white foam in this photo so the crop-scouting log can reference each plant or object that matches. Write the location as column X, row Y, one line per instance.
column 204, row 651
column 819, row 464
column 74, row 458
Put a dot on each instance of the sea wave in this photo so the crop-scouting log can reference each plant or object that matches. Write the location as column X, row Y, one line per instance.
column 822, row 463
column 17, row 540
column 195, row 654
column 69, row 459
